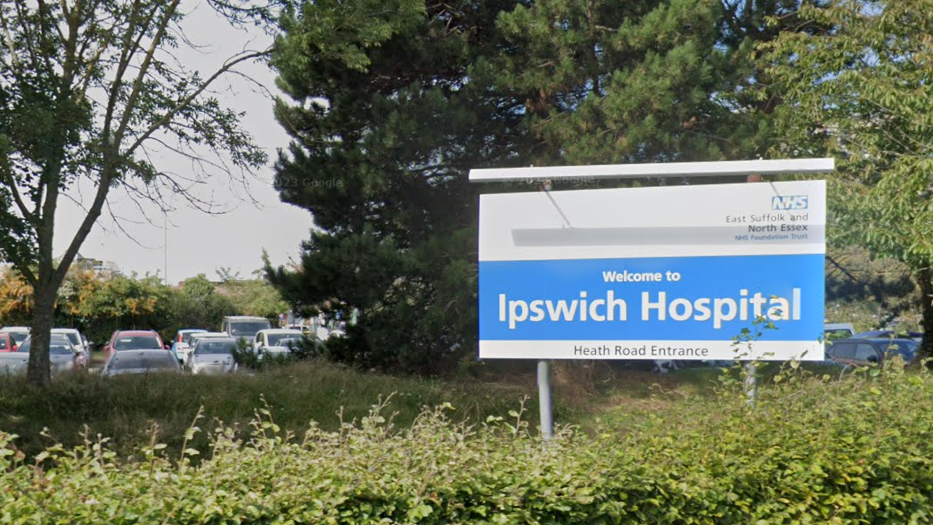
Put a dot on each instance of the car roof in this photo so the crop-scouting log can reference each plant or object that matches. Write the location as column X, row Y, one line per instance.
column 58, row 337
column 199, row 335
column 876, row 340
column 191, row 330
column 15, row 329
column 124, row 333
column 223, row 340
column 244, row 318
column 280, row 331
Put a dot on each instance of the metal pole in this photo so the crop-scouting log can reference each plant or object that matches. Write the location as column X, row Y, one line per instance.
column 751, row 384
column 165, row 243
column 544, row 400
column 751, row 371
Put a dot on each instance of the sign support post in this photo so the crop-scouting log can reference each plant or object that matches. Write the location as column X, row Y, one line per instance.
column 751, row 371
column 544, row 399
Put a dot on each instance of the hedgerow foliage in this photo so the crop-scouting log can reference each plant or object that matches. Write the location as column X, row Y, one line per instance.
column 815, row 450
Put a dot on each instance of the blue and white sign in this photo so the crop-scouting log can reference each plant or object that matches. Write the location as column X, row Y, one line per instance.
column 654, row 273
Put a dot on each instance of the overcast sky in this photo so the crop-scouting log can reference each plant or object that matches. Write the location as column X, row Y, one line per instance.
column 197, row 242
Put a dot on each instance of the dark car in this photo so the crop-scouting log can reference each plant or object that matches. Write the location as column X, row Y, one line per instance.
column 141, row 362
column 888, row 334
column 862, row 352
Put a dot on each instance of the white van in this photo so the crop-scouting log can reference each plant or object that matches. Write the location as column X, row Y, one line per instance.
column 244, row 327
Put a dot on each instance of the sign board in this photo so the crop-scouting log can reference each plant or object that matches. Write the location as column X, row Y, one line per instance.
column 672, row 272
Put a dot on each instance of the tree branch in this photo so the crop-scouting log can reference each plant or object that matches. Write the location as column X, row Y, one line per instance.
column 144, row 70
column 186, row 101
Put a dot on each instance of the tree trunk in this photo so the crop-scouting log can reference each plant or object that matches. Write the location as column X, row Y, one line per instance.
column 43, row 316
column 925, row 280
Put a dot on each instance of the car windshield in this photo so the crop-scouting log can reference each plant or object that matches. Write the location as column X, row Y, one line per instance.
column 247, row 328
column 19, row 337
column 138, row 342
column 57, row 347
column 73, row 337
column 60, row 350
column 186, row 337
column 144, row 360
column 282, row 339
column 214, row 347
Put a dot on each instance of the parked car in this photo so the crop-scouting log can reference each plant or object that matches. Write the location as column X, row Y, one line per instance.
column 888, row 334
column 18, row 333
column 182, row 341
column 213, row 355
column 244, row 327
column 63, row 357
column 141, row 362
column 134, row 340
column 198, row 337
column 833, row 331
column 277, row 341
column 863, row 352
column 77, row 339
column 7, row 343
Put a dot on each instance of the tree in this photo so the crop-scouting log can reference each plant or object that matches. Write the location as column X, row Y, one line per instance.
column 391, row 107
column 15, row 298
column 196, row 304
column 255, row 297
column 862, row 94
column 90, row 90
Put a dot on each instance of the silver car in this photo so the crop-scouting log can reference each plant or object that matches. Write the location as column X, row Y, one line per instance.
column 141, row 362
column 213, row 356
column 63, row 357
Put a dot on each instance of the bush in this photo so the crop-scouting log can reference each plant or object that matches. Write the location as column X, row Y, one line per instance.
column 307, row 349
column 815, row 451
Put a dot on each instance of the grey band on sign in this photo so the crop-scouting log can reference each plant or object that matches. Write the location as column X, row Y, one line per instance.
column 678, row 235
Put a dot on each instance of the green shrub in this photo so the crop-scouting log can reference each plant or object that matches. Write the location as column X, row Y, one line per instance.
column 814, row 451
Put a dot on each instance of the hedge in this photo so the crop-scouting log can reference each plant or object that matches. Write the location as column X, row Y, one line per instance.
column 814, row 450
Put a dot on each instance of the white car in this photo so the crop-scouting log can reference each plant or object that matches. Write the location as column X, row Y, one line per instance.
column 195, row 339
column 18, row 333
column 213, row 355
column 277, row 341
column 63, row 357
column 77, row 339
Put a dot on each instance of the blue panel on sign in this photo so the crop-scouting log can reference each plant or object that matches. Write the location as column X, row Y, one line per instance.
column 672, row 298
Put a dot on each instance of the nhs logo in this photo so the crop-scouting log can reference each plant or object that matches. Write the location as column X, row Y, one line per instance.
column 789, row 202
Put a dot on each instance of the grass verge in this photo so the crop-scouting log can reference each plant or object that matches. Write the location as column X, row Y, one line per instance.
column 131, row 409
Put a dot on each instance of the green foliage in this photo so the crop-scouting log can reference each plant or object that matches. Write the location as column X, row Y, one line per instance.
column 252, row 297
column 815, row 451
column 129, row 408
column 392, row 106
column 861, row 93
column 196, row 304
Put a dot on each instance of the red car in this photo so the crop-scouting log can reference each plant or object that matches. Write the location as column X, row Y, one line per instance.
column 7, row 343
column 134, row 340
